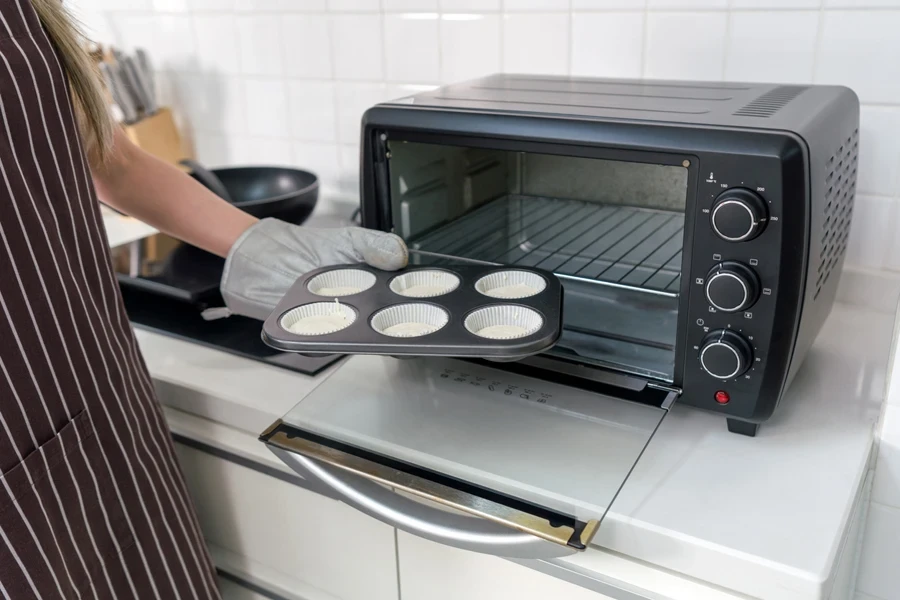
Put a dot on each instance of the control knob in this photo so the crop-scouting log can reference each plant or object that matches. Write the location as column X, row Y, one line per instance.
column 732, row 286
column 725, row 354
column 738, row 215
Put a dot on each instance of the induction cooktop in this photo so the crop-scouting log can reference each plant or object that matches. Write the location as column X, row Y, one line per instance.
column 236, row 335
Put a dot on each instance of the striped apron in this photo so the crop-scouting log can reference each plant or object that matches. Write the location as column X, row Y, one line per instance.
column 93, row 504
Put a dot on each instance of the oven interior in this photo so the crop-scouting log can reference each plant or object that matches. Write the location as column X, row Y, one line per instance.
column 611, row 230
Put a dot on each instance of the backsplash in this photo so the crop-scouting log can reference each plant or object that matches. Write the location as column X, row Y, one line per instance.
column 285, row 81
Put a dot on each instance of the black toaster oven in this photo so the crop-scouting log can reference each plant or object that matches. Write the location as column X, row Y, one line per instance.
column 699, row 229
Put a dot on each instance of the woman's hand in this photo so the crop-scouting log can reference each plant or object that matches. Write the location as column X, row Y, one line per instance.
column 269, row 257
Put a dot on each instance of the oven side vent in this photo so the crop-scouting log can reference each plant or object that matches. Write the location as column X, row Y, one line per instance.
column 771, row 102
column 840, row 189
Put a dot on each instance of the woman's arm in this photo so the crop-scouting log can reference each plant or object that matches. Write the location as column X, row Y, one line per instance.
column 142, row 186
column 262, row 264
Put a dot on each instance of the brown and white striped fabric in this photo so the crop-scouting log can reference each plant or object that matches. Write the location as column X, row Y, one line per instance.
column 93, row 504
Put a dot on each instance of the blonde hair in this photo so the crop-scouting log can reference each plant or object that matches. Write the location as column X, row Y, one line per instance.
column 91, row 110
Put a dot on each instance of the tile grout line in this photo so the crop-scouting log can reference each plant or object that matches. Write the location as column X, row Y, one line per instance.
column 501, row 14
column 726, row 39
column 645, row 39
column 382, row 25
column 336, row 121
column 150, row 12
column 820, row 34
column 502, row 36
column 244, row 128
column 570, row 32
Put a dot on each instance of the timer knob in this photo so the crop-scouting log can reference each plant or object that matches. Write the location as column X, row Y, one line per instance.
column 725, row 354
column 732, row 286
column 738, row 215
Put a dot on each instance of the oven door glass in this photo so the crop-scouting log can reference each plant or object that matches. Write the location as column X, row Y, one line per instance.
column 611, row 230
column 518, row 452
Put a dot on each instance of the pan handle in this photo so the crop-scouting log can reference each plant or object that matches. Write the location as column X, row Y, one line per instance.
column 207, row 178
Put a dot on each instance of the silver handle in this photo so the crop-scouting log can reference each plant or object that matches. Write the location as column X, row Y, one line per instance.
column 459, row 531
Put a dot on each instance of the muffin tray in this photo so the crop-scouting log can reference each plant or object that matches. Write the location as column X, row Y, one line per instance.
column 478, row 311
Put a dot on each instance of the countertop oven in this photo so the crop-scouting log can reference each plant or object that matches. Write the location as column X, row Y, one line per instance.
column 699, row 230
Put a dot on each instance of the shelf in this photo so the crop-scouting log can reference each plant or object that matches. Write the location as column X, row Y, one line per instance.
column 625, row 246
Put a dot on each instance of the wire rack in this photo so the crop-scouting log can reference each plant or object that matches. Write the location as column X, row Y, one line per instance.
column 617, row 245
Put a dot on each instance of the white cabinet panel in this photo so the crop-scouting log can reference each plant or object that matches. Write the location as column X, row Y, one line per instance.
column 233, row 591
column 309, row 538
column 430, row 571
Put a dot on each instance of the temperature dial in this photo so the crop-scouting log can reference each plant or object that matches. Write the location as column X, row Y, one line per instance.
column 725, row 354
column 732, row 286
column 738, row 215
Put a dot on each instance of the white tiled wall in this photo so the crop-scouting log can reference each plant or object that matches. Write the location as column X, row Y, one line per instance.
column 285, row 81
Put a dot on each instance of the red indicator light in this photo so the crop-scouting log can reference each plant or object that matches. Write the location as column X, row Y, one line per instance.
column 722, row 397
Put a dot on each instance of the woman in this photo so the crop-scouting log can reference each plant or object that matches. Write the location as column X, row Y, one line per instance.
column 93, row 504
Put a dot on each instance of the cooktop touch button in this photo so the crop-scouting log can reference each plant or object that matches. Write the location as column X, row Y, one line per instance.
column 738, row 215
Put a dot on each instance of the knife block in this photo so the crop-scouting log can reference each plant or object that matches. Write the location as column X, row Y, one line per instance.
column 158, row 135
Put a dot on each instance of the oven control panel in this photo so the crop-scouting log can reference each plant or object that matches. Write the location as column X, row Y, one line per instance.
column 735, row 262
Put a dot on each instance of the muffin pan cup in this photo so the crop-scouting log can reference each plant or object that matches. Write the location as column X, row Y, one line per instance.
column 452, row 339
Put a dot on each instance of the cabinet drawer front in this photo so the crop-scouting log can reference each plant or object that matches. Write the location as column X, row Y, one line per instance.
column 430, row 571
column 309, row 538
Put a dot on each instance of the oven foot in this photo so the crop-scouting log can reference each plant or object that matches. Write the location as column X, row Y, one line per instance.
column 742, row 427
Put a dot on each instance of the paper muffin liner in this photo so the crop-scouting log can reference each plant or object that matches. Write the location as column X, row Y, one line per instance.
column 341, row 278
column 490, row 284
column 427, row 314
column 404, row 284
column 295, row 315
column 503, row 314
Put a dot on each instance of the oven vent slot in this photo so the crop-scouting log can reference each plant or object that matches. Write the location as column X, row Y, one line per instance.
column 840, row 188
column 770, row 102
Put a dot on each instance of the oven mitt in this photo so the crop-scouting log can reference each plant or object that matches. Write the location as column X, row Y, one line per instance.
column 269, row 257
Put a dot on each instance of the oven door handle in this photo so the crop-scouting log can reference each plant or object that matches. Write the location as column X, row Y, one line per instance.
column 458, row 531
column 501, row 530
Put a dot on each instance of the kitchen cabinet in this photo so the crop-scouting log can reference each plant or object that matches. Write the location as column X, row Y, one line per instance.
column 430, row 571
column 317, row 546
column 233, row 591
column 705, row 515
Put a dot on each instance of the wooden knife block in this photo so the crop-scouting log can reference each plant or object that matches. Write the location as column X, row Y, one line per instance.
column 158, row 135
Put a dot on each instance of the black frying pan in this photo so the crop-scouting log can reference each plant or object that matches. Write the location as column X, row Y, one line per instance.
column 288, row 194
column 192, row 275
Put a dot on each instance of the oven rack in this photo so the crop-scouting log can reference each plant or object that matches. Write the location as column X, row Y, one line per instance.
column 623, row 246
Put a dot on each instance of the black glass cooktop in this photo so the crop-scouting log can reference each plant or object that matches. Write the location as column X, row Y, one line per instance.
column 236, row 335
column 166, row 266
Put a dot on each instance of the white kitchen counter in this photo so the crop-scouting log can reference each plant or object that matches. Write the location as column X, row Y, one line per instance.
column 766, row 517
column 121, row 229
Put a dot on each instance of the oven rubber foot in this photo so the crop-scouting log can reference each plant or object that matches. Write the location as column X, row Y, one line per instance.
column 742, row 427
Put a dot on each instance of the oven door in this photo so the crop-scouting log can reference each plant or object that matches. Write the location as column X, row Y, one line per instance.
column 471, row 456
column 611, row 223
